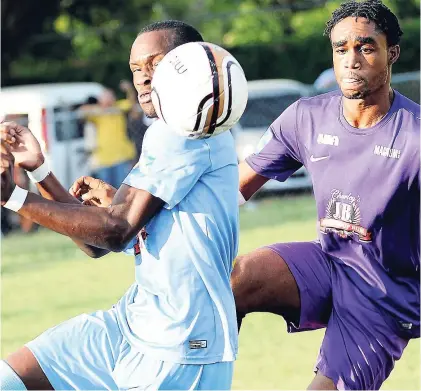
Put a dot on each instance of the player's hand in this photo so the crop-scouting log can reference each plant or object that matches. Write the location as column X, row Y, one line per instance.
column 23, row 145
column 7, row 163
column 93, row 191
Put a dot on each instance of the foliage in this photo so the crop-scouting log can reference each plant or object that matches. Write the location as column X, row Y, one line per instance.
column 77, row 40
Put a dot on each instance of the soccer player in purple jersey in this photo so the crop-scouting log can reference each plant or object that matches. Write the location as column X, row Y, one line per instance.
column 361, row 279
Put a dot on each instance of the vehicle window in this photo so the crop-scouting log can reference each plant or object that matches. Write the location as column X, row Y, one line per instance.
column 68, row 126
column 21, row 119
column 261, row 112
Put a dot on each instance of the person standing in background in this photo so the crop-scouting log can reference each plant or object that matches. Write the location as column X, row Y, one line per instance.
column 113, row 152
column 136, row 125
column 89, row 137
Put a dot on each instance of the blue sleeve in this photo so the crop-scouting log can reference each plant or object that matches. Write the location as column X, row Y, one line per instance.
column 169, row 166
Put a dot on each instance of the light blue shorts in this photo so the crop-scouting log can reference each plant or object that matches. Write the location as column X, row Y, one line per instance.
column 89, row 352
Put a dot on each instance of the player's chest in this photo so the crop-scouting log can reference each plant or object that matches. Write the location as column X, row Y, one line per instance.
column 356, row 161
column 356, row 177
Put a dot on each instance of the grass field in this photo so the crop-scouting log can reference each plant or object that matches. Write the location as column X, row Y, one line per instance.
column 45, row 280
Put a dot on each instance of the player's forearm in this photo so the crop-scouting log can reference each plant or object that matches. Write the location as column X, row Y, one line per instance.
column 250, row 181
column 51, row 189
column 97, row 227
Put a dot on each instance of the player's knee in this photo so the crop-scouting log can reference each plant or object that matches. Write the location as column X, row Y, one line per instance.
column 237, row 273
column 321, row 382
column 239, row 282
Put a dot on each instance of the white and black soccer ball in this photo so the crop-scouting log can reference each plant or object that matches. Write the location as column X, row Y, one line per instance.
column 199, row 90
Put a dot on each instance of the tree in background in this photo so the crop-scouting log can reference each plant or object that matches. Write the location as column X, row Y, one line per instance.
column 89, row 40
column 20, row 22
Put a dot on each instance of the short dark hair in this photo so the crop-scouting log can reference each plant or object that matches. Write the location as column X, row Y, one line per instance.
column 182, row 32
column 373, row 10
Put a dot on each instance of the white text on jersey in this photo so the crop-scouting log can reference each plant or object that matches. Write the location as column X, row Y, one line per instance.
column 328, row 139
column 387, row 152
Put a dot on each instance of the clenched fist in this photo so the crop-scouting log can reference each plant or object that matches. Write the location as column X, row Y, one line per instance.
column 6, row 172
column 23, row 145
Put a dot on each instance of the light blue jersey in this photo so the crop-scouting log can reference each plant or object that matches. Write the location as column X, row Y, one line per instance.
column 176, row 327
column 181, row 308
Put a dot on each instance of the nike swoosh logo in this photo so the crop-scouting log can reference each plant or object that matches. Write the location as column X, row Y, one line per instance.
column 317, row 159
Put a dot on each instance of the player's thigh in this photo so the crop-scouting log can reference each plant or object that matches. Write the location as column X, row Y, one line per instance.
column 216, row 376
column 26, row 366
column 135, row 370
column 262, row 281
column 360, row 346
column 290, row 279
column 79, row 353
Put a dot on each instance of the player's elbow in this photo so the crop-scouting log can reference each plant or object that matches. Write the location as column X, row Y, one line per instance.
column 96, row 253
column 117, row 236
column 115, row 242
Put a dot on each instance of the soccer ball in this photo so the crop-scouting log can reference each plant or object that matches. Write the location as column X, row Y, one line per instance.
column 199, row 90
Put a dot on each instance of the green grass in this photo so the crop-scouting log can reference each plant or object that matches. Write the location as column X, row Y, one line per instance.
column 46, row 280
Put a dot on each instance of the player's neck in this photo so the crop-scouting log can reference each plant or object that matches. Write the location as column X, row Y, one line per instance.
column 365, row 113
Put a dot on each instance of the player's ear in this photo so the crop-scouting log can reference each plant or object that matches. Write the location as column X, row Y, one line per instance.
column 393, row 53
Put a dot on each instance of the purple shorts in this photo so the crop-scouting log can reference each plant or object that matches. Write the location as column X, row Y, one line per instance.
column 360, row 345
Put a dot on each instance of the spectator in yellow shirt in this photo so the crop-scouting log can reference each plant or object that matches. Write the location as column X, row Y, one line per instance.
column 136, row 125
column 112, row 151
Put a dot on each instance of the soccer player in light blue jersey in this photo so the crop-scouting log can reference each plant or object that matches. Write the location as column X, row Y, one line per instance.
column 177, row 212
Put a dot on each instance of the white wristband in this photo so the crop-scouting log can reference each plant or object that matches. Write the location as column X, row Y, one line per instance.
column 17, row 199
column 40, row 173
column 241, row 199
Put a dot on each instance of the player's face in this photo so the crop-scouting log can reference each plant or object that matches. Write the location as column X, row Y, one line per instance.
column 361, row 57
column 147, row 51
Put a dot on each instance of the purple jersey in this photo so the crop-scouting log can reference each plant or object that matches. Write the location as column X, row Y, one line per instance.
column 367, row 190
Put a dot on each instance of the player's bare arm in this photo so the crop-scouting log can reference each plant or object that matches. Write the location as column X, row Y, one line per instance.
column 51, row 189
column 250, row 181
column 28, row 155
column 108, row 228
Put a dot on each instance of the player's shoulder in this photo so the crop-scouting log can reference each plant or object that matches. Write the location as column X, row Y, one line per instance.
column 159, row 135
column 407, row 118
column 162, row 141
column 320, row 102
column 315, row 106
column 408, row 108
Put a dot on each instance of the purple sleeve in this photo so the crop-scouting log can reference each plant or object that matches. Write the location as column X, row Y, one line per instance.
column 278, row 155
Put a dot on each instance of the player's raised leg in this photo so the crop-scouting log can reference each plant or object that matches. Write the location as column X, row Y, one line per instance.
column 362, row 343
column 321, row 382
column 78, row 354
column 288, row 279
column 262, row 281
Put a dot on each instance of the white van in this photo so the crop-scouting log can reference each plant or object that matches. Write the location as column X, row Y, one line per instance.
column 267, row 100
column 49, row 111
